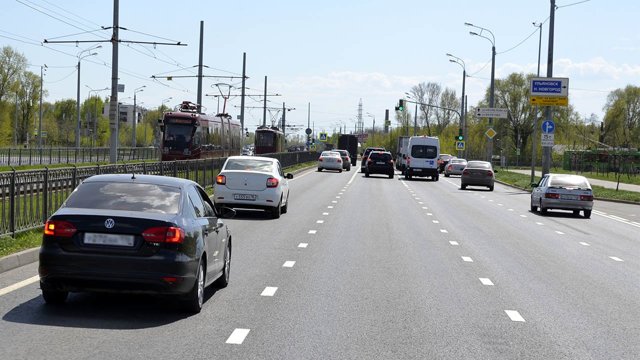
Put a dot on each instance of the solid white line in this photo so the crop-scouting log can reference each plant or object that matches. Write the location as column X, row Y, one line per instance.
column 237, row 336
column 355, row 173
column 454, row 243
column 615, row 258
column 320, row 222
column 303, row 245
column 486, row 281
column 514, row 315
column 467, row 259
column 443, row 231
column 288, row 264
column 269, row 291
column 19, row 285
column 325, row 213
column 313, row 231
column 559, row 232
column 584, row 243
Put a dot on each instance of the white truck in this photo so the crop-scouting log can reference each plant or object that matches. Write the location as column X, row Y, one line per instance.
column 403, row 142
column 422, row 157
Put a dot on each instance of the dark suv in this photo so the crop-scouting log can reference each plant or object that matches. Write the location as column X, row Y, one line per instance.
column 346, row 159
column 365, row 155
column 379, row 162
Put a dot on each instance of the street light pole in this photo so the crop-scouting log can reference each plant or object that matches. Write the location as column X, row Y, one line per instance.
column 135, row 114
column 80, row 57
column 546, row 150
column 534, row 136
column 40, row 111
column 95, row 110
column 463, row 117
column 493, row 70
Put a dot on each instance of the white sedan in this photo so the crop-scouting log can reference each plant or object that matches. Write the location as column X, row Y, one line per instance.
column 330, row 160
column 253, row 182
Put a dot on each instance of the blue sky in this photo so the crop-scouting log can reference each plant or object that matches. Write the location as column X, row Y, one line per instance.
column 328, row 53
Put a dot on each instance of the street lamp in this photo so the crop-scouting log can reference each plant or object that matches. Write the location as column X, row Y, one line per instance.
column 493, row 69
column 164, row 102
column 373, row 132
column 415, row 115
column 95, row 109
column 80, row 57
column 463, row 118
column 135, row 113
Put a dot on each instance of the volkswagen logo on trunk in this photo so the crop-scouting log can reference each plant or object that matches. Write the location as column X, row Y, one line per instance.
column 109, row 223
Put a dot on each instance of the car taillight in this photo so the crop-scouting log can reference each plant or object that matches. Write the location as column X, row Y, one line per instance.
column 320, row 158
column 272, row 182
column 369, row 161
column 489, row 173
column 552, row 196
column 465, row 172
column 164, row 234
column 450, row 167
column 221, row 179
column 59, row 228
column 339, row 160
column 586, row 197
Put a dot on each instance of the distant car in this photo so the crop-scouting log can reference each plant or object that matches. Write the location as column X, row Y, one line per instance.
column 365, row 155
column 443, row 160
column 253, row 182
column 379, row 162
column 247, row 152
column 477, row 173
column 346, row 159
column 330, row 160
column 138, row 234
column 562, row 192
column 455, row 167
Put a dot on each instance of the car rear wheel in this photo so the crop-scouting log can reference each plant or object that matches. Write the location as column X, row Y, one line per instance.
column 319, row 169
column 576, row 212
column 276, row 211
column 366, row 174
column 285, row 208
column 587, row 213
column 543, row 210
column 54, row 296
column 491, row 188
column 340, row 170
column 533, row 208
column 223, row 281
column 463, row 187
column 436, row 178
column 446, row 175
column 391, row 176
column 195, row 298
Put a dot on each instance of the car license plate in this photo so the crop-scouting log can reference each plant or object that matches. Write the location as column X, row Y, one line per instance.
column 380, row 162
column 569, row 197
column 108, row 239
column 417, row 170
column 251, row 197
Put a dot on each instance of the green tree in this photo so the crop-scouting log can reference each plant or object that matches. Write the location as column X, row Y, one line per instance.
column 12, row 65
column 622, row 117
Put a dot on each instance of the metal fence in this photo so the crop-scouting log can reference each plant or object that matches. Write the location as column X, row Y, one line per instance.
column 28, row 198
column 50, row 156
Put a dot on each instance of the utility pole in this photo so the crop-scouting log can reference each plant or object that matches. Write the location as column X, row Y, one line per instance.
column 264, row 110
column 113, row 115
column 546, row 150
column 284, row 124
column 415, row 121
column 534, row 136
column 15, row 122
column 242, row 95
column 200, row 68
column 40, row 111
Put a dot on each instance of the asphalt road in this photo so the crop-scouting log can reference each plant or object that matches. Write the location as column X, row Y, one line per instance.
column 374, row 268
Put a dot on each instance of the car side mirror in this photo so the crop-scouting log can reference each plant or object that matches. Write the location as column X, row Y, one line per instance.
column 495, row 170
column 534, row 185
column 288, row 176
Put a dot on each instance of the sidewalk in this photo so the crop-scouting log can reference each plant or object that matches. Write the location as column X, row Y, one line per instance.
column 603, row 183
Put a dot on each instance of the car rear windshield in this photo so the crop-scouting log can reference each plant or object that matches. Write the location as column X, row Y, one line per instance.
column 424, row 151
column 478, row 165
column 380, row 156
column 570, row 182
column 125, row 196
column 249, row 164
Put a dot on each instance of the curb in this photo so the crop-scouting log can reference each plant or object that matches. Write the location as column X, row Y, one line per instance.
column 18, row 259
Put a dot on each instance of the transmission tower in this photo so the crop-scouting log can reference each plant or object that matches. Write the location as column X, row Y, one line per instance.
column 360, row 126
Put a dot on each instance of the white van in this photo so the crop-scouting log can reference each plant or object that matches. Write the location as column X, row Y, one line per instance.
column 422, row 157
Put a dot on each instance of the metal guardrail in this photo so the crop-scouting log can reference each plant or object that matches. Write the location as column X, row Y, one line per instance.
column 50, row 156
column 29, row 197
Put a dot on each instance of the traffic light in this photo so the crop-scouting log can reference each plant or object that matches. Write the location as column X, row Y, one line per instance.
column 400, row 106
column 460, row 137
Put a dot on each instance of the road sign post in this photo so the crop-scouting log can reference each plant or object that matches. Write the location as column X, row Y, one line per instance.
column 500, row 113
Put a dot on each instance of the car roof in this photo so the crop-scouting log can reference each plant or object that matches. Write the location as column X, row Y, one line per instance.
column 140, row 178
column 252, row 158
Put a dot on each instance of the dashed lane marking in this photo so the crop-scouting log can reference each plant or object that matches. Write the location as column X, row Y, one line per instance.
column 334, row 201
column 539, row 223
column 514, row 315
column 320, row 222
column 329, row 207
column 436, row 221
column 467, row 259
column 238, row 336
column 559, row 232
column 454, row 243
column 429, row 214
column 325, row 213
column 303, row 245
column 486, row 281
column 615, row 258
column 444, row 231
column 289, row 264
column 312, row 232
column 509, row 209
column 19, row 285
column 425, row 208
column 523, row 216
column 584, row 243
column 269, row 291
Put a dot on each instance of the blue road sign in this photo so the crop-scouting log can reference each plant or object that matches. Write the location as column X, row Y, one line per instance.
column 548, row 127
column 549, row 87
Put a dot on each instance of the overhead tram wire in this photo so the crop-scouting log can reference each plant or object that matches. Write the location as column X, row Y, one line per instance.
column 49, row 15
column 69, row 12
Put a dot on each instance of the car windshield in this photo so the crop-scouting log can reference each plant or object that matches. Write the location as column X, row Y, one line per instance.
column 569, row 181
column 127, row 196
column 458, row 161
column 249, row 165
column 478, row 165
column 343, row 152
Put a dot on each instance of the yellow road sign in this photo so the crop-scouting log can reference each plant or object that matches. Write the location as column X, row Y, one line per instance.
column 549, row 100
column 490, row 133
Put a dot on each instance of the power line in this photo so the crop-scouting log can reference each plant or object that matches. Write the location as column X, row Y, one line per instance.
column 49, row 15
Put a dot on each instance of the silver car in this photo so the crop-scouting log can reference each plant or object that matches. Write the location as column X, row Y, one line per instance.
column 330, row 160
column 563, row 192
column 455, row 167
column 478, row 173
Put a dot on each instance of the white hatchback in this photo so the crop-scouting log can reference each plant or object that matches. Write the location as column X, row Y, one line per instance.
column 330, row 160
column 253, row 182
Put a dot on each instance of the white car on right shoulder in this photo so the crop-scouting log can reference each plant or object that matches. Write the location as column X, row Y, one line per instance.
column 562, row 192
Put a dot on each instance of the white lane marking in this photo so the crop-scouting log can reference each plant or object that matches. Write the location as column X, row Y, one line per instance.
column 337, row 197
column 303, row 245
column 436, row 221
column 334, row 202
column 514, row 315
column 420, row 202
column 482, row 197
column 509, row 209
column 289, row 264
column 329, row 207
column 559, row 232
column 454, row 243
column 312, row 232
column 320, row 222
column 617, row 218
column 444, row 231
column 539, row 223
column 500, row 205
column 355, row 173
column 269, row 291
column 19, row 285
column 523, row 216
column 615, row 258
column 425, row 208
column 490, row 200
column 340, row 193
column 486, row 281
column 429, row 214
column 237, row 336
column 417, row 198
column 467, row 259
column 325, row 213
column 584, row 243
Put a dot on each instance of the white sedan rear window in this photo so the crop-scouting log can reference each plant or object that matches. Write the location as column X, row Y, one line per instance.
column 249, row 165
